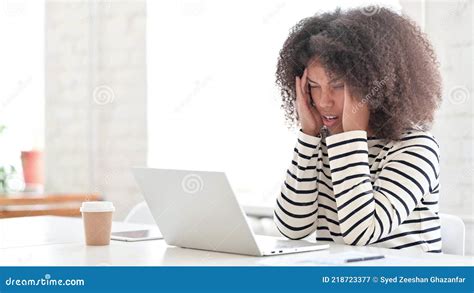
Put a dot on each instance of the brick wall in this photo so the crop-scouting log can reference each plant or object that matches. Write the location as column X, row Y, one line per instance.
column 449, row 26
column 95, row 115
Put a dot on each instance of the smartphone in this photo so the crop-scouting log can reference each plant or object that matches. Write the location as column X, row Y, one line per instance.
column 136, row 235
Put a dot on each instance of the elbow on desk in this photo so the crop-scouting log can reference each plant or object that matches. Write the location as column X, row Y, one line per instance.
column 290, row 232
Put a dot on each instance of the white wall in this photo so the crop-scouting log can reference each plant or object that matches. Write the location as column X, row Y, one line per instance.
column 90, row 142
column 95, row 98
column 449, row 26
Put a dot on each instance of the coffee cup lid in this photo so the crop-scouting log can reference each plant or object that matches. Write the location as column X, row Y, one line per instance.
column 97, row 206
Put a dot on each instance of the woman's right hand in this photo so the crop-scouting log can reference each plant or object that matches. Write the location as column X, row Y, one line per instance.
column 308, row 116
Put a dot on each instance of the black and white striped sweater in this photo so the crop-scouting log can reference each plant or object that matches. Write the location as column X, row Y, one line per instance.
column 363, row 191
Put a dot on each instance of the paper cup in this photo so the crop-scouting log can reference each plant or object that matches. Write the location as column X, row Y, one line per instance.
column 97, row 219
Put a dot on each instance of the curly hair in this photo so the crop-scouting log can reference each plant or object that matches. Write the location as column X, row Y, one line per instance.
column 384, row 58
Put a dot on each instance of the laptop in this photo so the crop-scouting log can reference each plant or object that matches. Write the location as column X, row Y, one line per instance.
column 198, row 210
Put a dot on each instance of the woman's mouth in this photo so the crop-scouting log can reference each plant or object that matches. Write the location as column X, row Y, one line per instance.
column 329, row 120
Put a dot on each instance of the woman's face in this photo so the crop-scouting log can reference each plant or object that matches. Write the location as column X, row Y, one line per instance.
column 327, row 96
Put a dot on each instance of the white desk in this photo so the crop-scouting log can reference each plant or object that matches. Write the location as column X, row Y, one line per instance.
column 59, row 241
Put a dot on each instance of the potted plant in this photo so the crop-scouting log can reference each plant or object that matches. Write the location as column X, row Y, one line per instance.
column 6, row 172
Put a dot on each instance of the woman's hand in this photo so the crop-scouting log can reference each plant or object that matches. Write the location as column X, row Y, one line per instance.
column 308, row 115
column 355, row 114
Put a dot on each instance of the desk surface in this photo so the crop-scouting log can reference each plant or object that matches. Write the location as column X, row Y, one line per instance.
column 59, row 241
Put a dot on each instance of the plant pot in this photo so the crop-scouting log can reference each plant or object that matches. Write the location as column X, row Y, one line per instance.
column 33, row 170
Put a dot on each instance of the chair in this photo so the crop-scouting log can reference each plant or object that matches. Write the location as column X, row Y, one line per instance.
column 140, row 214
column 453, row 234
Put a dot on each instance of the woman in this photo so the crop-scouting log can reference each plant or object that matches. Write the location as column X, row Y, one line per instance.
column 363, row 89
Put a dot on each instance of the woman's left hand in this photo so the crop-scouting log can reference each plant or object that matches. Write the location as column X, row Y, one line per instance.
column 355, row 114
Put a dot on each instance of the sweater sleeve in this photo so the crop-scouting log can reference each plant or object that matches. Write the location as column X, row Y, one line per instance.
column 296, row 206
column 368, row 212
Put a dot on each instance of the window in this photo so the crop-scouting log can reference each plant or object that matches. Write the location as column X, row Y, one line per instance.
column 212, row 99
column 22, row 76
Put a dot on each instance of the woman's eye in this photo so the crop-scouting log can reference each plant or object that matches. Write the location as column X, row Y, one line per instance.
column 338, row 86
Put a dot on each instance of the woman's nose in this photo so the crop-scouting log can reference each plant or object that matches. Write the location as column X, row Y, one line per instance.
column 326, row 100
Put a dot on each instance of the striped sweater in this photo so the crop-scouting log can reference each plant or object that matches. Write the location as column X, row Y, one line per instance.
column 355, row 190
